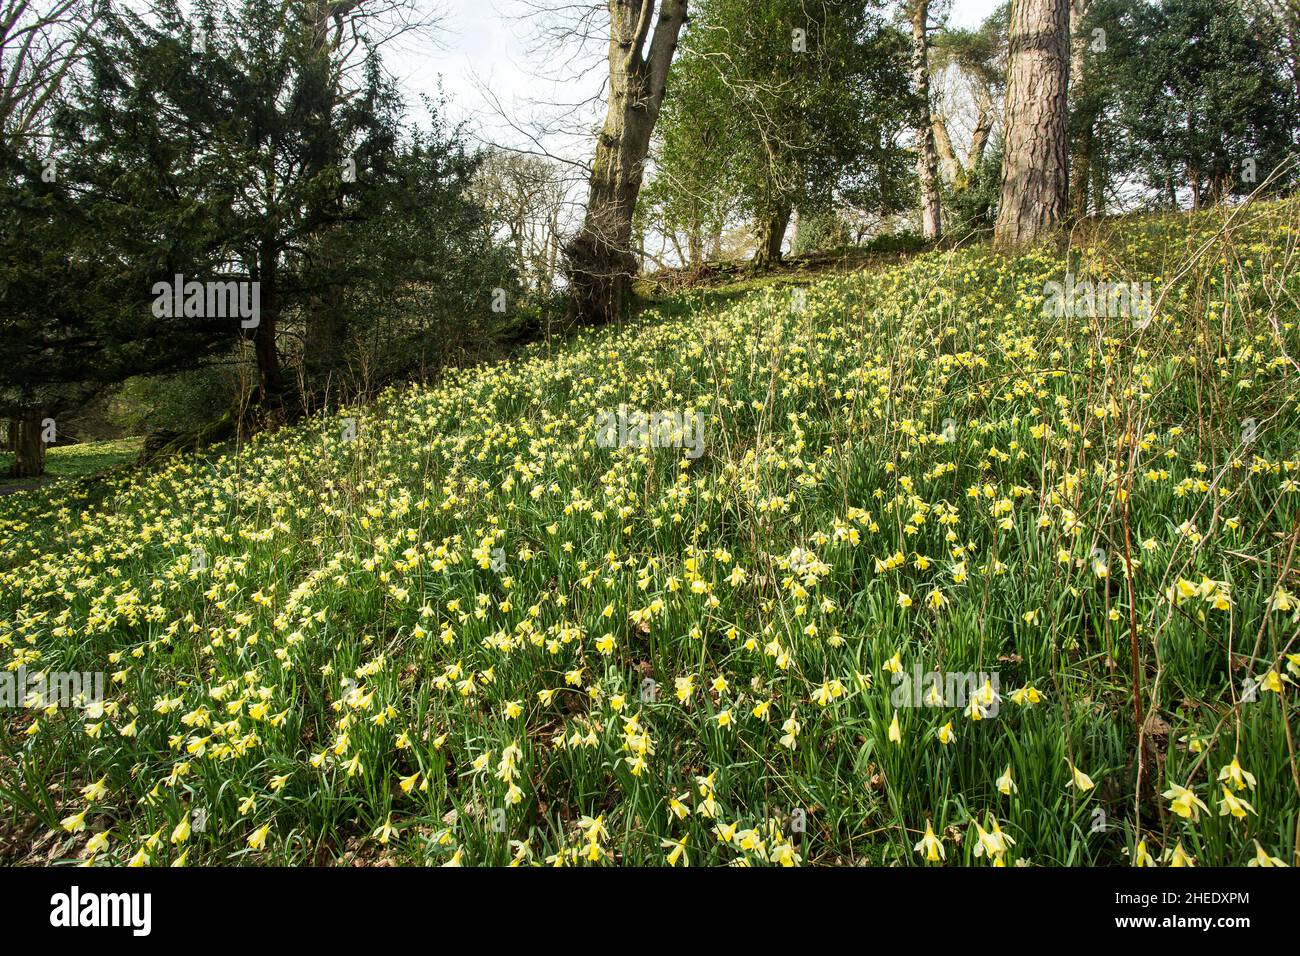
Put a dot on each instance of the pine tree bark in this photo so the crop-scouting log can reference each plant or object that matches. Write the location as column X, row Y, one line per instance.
column 1035, row 176
column 599, row 261
column 926, row 163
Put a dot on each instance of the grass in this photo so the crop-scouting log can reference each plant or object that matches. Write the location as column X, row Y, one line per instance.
column 467, row 631
column 674, row 293
column 81, row 460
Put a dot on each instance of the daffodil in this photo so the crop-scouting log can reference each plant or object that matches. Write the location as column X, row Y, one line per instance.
column 257, row 839
column 1271, row 682
column 1235, row 775
column 677, row 851
column 1006, row 786
column 95, row 791
column 992, row 842
column 791, row 728
column 1079, row 779
column 1231, row 804
column 930, row 846
column 1185, row 803
column 1025, row 696
column 1261, row 858
column 1179, row 857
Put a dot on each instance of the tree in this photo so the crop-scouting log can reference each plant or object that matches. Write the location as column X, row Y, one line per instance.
column 231, row 134
column 695, row 190
column 1083, row 110
column 40, row 44
column 599, row 261
column 426, row 282
column 1035, row 172
column 927, row 172
column 800, row 106
column 345, row 36
column 209, row 130
column 75, row 304
column 1203, row 101
column 198, row 154
column 1283, row 20
column 972, row 64
column 523, row 198
column 1104, row 37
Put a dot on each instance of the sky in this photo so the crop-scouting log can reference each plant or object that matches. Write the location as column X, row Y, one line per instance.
column 487, row 67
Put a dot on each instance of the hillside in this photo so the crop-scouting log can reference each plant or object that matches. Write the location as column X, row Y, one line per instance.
column 464, row 626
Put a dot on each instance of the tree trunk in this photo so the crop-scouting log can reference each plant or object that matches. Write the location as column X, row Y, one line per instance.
column 926, row 165
column 28, row 444
column 599, row 261
column 1097, row 195
column 683, row 259
column 326, row 332
column 1035, row 176
column 1081, row 164
column 694, row 246
column 947, row 155
column 771, row 234
column 1220, row 188
column 268, row 359
column 552, row 252
column 1081, row 174
column 1078, row 42
column 983, row 127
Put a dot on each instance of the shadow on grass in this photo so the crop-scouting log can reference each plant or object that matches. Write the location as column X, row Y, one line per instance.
column 63, row 462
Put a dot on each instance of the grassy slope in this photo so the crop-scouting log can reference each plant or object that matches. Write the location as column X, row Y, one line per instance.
column 74, row 461
column 315, row 643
